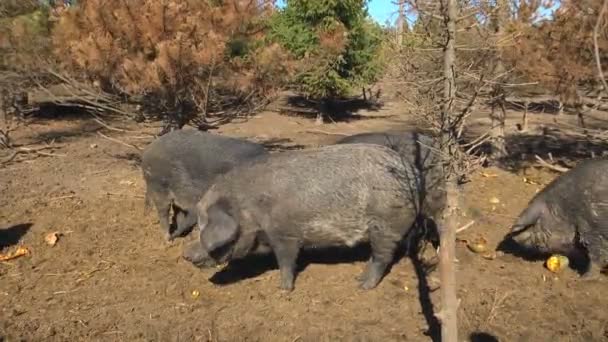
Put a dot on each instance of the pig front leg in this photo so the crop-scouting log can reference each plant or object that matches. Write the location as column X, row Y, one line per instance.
column 185, row 221
column 286, row 252
column 163, row 207
column 597, row 259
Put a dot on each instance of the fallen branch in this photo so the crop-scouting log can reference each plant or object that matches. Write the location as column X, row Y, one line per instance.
column 99, row 121
column 119, row 141
column 318, row 131
column 61, row 197
column 549, row 166
column 126, row 195
column 33, row 150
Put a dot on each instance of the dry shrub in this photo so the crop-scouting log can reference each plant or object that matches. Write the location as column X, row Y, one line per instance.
column 559, row 53
column 24, row 37
column 184, row 57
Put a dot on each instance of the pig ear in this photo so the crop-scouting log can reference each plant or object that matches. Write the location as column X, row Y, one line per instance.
column 220, row 229
column 528, row 217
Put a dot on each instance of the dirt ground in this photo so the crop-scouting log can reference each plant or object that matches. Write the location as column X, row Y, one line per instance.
column 111, row 277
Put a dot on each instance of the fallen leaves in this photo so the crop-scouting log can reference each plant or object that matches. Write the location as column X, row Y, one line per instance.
column 20, row 251
column 478, row 245
column 530, row 181
column 52, row 238
column 488, row 175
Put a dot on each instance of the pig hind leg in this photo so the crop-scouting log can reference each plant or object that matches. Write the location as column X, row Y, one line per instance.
column 383, row 246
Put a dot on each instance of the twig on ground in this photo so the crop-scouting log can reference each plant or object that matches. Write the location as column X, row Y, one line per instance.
column 61, row 197
column 33, row 150
column 101, row 122
column 64, row 292
column 318, row 131
column 119, row 194
column 549, row 166
column 118, row 141
column 465, row 227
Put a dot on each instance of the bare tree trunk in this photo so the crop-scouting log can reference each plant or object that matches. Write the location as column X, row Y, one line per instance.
column 498, row 119
column 498, row 129
column 400, row 22
column 447, row 273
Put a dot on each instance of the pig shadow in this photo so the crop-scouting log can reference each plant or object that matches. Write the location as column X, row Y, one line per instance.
column 280, row 144
column 332, row 110
column 12, row 235
column 258, row 263
column 426, row 232
column 482, row 337
column 578, row 258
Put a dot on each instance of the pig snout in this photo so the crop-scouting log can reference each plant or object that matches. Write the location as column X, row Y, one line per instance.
column 197, row 255
column 544, row 242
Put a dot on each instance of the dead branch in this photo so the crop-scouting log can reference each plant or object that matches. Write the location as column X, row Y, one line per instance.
column 118, row 141
column 30, row 150
column 318, row 131
column 123, row 195
column 76, row 94
column 550, row 166
column 465, row 227
column 9, row 158
column 101, row 122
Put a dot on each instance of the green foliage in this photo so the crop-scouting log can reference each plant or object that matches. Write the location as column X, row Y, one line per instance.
column 335, row 41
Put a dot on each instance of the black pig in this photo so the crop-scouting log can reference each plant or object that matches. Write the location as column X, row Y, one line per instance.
column 180, row 166
column 338, row 195
column 569, row 214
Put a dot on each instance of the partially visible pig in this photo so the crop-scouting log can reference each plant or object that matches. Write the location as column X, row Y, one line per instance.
column 569, row 215
column 417, row 149
column 338, row 195
column 415, row 146
column 180, row 166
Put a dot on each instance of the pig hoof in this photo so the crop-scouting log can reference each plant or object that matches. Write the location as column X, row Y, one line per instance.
column 286, row 287
column 367, row 283
column 590, row 276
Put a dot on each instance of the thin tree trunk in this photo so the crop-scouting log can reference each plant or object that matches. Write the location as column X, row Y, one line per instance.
column 400, row 22
column 498, row 119
column 498, row 129
column 524, row 121
column 447, row 273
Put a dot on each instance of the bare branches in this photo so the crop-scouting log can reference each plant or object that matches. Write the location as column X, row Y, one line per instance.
column 29, row 151
column 71, row 92
column 596, row 48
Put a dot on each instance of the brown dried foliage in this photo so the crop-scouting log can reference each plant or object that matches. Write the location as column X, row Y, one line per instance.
column 559, row 54
column 176, row 51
